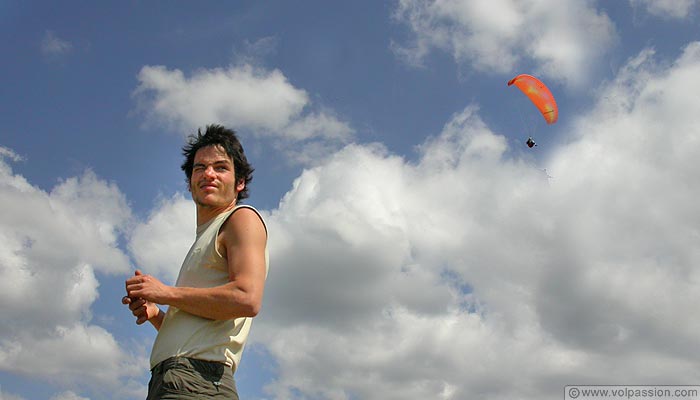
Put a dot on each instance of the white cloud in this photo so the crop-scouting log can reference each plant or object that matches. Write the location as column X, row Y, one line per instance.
column 69, row 354
column 564, row 39
column 68, row 395
column 9, row 396
column 243, row 97
column 638, row 236
column 53, row 46
column 471, row 275
column 161, row 243
column 253, row 53
column 667, row 8
column 52, row 244
column 9, row 154
column 251, row 97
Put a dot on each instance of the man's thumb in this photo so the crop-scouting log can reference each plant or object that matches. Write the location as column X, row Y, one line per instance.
column 138, row 272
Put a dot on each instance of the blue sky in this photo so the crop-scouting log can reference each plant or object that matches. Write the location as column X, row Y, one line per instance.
column 418, row 247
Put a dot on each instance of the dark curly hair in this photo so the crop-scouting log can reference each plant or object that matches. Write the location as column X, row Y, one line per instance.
column 217, row 135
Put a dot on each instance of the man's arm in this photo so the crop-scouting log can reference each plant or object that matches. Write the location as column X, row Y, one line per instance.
column 243, row 239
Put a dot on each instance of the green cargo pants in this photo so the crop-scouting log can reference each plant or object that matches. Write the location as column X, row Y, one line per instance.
column 180, row 378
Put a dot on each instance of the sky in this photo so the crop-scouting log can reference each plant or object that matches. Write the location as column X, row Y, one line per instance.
column 418, row 248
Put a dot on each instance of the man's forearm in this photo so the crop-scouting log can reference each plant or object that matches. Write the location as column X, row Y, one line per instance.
column 224, row 302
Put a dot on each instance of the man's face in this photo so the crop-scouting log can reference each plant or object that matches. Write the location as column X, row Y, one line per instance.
column 213, row 182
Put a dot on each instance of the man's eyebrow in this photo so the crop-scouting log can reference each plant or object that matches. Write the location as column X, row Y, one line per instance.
column 200, row 164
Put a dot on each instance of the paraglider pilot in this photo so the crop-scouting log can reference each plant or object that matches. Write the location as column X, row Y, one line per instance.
column 530, row 143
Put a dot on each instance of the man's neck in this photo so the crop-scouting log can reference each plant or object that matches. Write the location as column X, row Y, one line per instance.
column 207, row 213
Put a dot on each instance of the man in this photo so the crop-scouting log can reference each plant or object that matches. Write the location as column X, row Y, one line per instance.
column 220, row 286
column 530, row 142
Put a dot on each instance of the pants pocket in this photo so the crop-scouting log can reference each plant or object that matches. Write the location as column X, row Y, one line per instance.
column 190, row 382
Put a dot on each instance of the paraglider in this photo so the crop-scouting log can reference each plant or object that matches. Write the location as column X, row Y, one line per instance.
column 540, row 96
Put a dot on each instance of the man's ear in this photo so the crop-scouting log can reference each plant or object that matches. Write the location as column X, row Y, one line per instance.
column 240, row 185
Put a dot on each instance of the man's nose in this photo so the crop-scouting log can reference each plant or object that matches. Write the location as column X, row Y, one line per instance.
column 209, row 172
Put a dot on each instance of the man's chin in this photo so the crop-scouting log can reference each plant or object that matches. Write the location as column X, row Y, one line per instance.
column 208, row 202
column 203, row 201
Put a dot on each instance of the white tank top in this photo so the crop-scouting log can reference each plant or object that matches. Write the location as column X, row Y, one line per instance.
column 186, row 335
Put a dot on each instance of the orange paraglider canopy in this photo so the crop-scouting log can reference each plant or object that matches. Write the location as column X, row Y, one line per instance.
column 540, row 96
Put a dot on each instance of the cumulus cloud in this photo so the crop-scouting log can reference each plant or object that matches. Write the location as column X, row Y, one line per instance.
column 469, row 274
column 563, row 39
column 243, row 97
column 161, row 243
column 52, row 245
column 68, row 354
column 638, row 235
column 678, row 9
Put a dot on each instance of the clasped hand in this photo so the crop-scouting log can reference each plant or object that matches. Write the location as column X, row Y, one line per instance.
column 143, row 292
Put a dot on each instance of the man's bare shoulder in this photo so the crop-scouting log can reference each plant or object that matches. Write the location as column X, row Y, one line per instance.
column 243, row 225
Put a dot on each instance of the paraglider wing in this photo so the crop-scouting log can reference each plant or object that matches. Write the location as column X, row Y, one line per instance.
column 538, row 93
